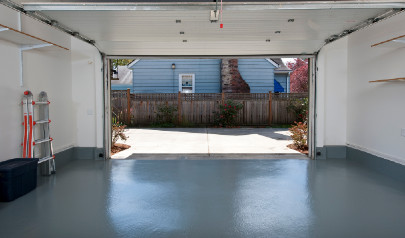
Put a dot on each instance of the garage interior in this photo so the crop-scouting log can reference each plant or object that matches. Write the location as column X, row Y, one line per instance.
column 352, row 187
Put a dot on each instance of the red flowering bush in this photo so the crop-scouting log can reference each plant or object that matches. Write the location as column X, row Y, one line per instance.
column 299, row 133
column 226, row 116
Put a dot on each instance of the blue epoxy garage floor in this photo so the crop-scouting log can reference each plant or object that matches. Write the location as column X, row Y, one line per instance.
column 215, row 198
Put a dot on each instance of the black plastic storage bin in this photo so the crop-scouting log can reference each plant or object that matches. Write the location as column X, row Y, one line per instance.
column 17, row 177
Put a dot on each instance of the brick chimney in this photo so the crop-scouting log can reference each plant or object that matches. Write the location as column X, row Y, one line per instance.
column 231, row 80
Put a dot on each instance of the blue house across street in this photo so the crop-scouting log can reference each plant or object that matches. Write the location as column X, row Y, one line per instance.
column 202, row 75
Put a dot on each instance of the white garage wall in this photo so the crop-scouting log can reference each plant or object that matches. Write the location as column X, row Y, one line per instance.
column 72, row 79
column 350, row 110
column 48, row 71
column 51, row 72
column 331, row 95
column 87, row 92
column 376, row 111
column 10, row 98
column 43, row 71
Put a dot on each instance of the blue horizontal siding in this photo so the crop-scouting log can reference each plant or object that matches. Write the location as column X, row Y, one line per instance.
column 258, row 73
column 122, row 87
column 157, row 76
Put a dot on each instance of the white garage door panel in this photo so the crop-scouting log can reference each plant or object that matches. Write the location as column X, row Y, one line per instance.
column 244, row 32
column 210, row 48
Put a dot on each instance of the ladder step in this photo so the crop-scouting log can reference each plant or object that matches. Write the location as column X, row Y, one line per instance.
column 42, row 121
column 44, row 159
column 40, row 103
column 42, row 141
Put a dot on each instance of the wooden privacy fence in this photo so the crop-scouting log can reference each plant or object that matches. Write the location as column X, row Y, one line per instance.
column 199, row 108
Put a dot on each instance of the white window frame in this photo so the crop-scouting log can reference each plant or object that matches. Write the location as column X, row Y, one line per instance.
column 181, row 85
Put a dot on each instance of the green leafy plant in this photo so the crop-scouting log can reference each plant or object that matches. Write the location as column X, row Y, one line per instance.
column 300, row 108
column 118, row 132
column 226, row 116
column 165, row 115
column 299, row 133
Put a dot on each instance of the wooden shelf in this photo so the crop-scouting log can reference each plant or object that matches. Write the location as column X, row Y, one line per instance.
column 388, row 80
column 23, row 39
column 396, row 42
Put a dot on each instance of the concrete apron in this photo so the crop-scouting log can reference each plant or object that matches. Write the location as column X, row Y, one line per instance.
column 212, row 143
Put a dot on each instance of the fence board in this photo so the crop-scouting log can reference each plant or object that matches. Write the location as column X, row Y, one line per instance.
column 198, row 108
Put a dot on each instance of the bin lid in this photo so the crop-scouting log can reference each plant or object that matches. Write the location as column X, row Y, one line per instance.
column 14, row 167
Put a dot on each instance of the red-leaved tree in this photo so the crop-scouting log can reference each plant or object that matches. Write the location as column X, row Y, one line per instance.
column 299, row 76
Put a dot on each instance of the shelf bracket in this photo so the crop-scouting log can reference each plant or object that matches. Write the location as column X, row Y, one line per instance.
column 25, row 48
column 399, row 41
column 31, row 47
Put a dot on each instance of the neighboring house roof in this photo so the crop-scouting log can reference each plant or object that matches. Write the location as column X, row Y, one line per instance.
column 124, row 75
column 273, row 63
column 282, row 67
column 133, row 63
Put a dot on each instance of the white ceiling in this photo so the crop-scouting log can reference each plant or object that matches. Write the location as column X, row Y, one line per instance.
column 146, row 32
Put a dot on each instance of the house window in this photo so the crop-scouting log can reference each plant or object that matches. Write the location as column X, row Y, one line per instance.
column 187, row 83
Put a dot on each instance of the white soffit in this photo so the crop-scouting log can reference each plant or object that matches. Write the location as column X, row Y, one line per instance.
column 154, row 31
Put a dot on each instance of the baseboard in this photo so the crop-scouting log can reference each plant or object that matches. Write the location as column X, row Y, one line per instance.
column 70, row 154
column 62, row 158
column 331, row 152
column 378, row 154
column 376, row 163
column 367, row 159
column 88, row 153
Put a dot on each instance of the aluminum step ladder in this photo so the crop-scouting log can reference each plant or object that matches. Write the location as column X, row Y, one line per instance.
column 37, row 139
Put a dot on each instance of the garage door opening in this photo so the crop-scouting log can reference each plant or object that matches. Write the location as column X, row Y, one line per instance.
column 215, row 107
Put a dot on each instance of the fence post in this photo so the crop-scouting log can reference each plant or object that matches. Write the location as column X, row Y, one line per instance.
column 128, row 106
column 270, row 112
column 223, row 98
column 179, row 107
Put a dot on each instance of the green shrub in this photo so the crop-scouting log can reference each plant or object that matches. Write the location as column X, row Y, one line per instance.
column 165, row 116
column 300, row 108
column 226, row 116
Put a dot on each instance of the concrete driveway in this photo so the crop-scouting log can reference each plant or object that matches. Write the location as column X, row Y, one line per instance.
column 213, row 142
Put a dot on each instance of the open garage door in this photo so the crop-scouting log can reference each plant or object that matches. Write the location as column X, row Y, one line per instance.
column 216, row 107
column 200, row 29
